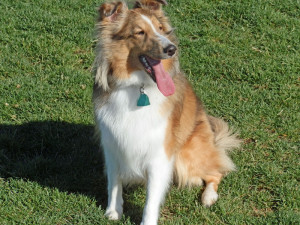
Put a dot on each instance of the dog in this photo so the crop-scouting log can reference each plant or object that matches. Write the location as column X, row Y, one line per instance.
column 153, row 128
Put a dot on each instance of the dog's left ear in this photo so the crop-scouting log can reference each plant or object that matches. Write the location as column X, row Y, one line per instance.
column 150, row 4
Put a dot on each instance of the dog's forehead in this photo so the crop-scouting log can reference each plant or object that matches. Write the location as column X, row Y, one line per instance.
column 142, row 16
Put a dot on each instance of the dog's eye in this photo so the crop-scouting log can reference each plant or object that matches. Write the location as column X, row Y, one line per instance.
column 160, row 27
column 170, row 31
column 140, row 32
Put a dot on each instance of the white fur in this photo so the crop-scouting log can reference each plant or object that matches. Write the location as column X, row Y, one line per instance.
column 133, row 141
column 209, row 196
column 164, row 41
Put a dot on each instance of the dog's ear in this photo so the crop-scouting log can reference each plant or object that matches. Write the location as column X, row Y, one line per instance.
column 150, row 4
column 110, row 12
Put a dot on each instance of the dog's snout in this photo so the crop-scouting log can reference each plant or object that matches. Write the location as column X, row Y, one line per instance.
column 170, row 50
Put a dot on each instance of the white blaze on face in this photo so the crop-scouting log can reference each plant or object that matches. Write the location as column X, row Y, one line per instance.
column 164, row 41
column 163, row 79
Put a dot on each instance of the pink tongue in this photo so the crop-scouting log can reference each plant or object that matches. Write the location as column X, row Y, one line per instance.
column 164, row 81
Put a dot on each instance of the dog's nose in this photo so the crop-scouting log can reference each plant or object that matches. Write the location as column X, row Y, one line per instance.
column 170, row 50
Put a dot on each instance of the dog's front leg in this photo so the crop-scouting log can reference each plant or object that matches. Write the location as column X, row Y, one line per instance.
column 159, row 175
column 114, row 209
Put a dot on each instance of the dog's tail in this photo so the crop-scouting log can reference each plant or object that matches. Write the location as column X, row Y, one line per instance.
column 225, row 140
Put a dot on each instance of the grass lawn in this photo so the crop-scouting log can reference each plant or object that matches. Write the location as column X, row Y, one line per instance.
column 243, row 59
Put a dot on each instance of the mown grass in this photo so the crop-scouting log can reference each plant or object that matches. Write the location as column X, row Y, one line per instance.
column 243, row 60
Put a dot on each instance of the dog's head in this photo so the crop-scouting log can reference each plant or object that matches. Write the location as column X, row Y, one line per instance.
column 135, row 39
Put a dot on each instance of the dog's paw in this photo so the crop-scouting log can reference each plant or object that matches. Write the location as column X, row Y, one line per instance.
column 113, row 214
column 151, row 223
column 209, row 197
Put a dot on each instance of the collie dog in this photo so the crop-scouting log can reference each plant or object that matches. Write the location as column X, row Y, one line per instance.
column 153, row 128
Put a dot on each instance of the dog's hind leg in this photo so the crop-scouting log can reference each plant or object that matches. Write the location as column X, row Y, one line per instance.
column 210, row 195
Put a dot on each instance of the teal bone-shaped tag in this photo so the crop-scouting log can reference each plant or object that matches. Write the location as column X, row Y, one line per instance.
column 143, row 99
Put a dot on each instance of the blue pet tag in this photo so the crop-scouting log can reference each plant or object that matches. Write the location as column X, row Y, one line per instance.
column 143, row 99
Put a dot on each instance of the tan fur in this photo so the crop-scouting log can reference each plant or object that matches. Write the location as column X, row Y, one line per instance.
column 198, row 142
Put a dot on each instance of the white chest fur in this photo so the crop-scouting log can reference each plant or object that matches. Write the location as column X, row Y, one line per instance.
column 132, row 136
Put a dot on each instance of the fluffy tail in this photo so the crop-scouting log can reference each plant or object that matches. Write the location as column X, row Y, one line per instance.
column 225, row 140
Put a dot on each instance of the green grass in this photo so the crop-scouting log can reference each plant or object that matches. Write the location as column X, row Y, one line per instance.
column 243, row 59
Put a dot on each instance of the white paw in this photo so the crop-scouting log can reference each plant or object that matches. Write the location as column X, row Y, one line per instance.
column 151, row 223
column 113, row 214
column 148, row 221
column 209, row 197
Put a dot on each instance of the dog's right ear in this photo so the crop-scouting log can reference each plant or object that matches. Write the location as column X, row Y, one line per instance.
column 110, row 12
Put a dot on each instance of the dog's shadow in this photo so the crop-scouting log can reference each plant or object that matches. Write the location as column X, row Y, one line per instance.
column 58, row 155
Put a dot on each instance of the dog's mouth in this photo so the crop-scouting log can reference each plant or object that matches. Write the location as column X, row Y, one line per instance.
column 158, row 74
